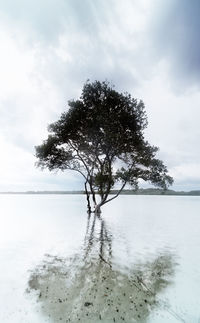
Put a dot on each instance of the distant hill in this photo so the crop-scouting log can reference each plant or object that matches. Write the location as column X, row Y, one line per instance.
column 157, row 191
column 141, row 191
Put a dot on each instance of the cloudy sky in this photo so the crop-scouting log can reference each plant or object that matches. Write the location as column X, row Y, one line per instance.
column 49, row 48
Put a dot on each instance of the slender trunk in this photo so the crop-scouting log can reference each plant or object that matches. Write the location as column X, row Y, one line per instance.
column 114, row 197
column 88, row 199
column 97, row 209
column 93, row 194
column 104, row 200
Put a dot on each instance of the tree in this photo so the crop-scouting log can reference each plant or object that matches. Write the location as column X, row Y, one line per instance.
column 101, row 137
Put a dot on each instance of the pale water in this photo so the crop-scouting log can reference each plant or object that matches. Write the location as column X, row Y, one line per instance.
column 139, row 262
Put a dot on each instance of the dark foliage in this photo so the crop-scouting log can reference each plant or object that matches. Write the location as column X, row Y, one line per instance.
column 101, row 136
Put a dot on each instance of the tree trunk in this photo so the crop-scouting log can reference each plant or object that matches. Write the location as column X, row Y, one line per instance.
column 88, row 199
column 97, row 209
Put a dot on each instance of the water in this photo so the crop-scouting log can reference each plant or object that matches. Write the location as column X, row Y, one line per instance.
column 139, row 262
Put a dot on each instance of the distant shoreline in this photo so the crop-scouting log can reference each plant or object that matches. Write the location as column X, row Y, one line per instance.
column 148, row 191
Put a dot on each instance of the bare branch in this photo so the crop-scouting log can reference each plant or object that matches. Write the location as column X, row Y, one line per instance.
column 114, row 197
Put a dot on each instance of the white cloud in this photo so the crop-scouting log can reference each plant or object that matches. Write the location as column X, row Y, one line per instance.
column 49, row 50
column 174, row 35
column 18, row 173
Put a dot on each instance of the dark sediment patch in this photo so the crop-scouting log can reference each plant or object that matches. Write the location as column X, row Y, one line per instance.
column 91, row 291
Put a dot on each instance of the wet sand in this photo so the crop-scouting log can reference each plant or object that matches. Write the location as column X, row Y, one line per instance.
column 70, row 290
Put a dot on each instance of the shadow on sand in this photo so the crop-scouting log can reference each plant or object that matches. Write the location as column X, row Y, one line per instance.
column 89, row 287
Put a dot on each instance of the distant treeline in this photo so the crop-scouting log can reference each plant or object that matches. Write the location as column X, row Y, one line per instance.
column 157, row 191
column 141, row 191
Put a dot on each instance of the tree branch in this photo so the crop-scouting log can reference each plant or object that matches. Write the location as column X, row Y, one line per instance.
column 114, row 197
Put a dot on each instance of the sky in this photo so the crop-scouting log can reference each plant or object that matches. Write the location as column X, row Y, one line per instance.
column 49, row 48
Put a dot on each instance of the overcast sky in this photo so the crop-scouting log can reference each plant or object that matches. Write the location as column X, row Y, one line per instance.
column 49, row 48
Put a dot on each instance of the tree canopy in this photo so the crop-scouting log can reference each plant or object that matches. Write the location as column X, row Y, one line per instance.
column 101, row 136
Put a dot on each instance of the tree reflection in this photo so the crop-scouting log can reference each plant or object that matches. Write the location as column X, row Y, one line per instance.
column 89, row 287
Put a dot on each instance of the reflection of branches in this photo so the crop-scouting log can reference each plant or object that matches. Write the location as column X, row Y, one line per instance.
column 89, row 288
column 101, row 241
column 89, row 237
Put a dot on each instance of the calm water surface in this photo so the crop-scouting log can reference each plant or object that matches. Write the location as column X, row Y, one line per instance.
column 139, row 262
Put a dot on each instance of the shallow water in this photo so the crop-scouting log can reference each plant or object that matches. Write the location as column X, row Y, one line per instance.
column 138, row 263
